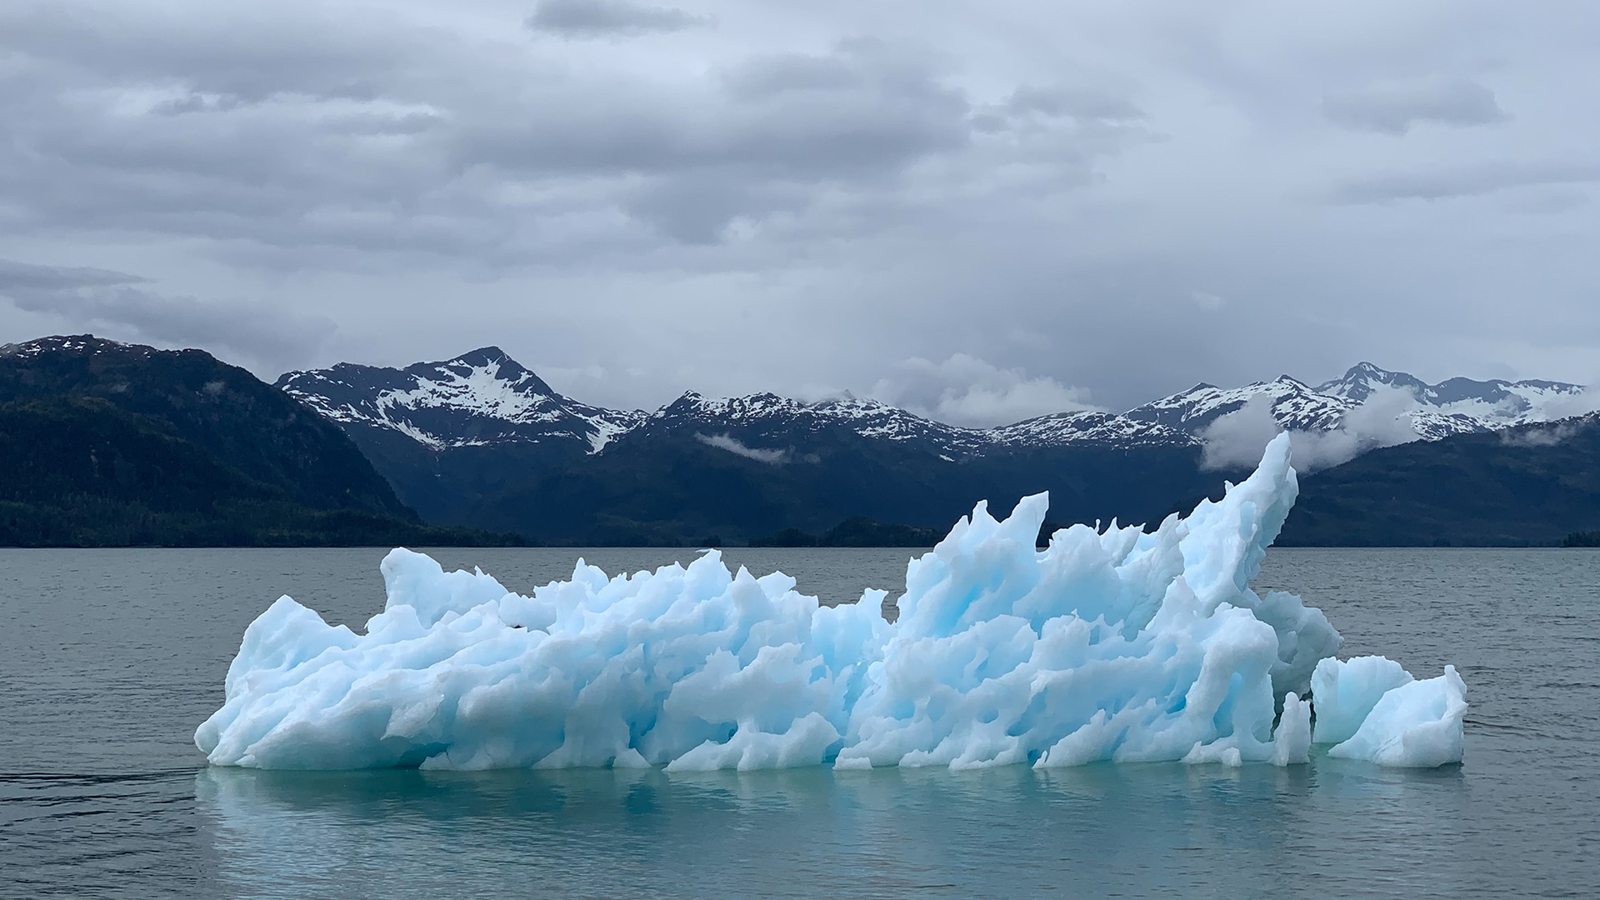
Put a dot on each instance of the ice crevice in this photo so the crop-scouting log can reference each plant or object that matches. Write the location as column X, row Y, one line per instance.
column 1117, row 645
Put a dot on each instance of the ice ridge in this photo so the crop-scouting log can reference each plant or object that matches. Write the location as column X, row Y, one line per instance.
column 1107, row 645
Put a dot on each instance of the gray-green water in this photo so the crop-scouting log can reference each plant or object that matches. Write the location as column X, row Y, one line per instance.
column 108, row 659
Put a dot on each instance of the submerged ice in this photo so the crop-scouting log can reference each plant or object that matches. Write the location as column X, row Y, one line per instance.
column 1116, row 645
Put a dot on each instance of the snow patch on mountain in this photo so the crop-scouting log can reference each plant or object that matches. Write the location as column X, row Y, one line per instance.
column 480, row 398
column 1085, row 428
column 72, row 343
column 777, row 419
column 1294, row 406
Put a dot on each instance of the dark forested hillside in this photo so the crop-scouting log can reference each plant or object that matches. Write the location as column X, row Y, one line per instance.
column 671, row 486
column 1530, row 485
column 222, row 409
column 111, row 444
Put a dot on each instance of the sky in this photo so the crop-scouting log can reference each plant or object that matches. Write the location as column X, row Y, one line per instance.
column 979, row 210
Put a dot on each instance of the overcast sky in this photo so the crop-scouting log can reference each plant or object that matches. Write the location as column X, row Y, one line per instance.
column 986, row 210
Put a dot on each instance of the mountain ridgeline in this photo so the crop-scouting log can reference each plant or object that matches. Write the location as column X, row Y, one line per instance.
column 480, row 441
column 115, row 444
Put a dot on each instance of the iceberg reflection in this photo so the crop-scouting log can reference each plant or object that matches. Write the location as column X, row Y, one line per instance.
column 817, row 832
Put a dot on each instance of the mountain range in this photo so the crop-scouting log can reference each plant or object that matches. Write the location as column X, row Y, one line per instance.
column 480, row 440
column 486, row 398
column 117, row 444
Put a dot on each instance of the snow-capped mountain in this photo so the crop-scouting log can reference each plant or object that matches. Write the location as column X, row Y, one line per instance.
column 1460, row 405
column 477, row 399
column 1295, row 406
column 485, row 398
column 1088, row 428
column 479, row 440
column 1434, row 411
column 67, row 344
column 769, row 420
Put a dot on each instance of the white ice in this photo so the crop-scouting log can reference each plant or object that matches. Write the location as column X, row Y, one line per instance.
column 1116, row 645
column 1384, row 716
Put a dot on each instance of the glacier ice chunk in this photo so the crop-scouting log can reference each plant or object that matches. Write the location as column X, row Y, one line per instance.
column 1417, row 724
column 1347, row 690
column 1107, row 645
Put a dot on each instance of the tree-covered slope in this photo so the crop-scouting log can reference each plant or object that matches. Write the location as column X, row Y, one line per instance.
column 673, row 485
column 1531, row 485
column 222, row 409
column 105, row 444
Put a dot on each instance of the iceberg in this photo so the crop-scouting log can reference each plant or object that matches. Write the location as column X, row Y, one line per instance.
column 1116, row 645
column 1385, row 716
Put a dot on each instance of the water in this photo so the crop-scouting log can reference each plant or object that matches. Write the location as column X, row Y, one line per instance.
column 109, row 658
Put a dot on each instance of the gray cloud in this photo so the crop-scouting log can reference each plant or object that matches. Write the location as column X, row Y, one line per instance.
column 407, row 165
column 1397, row 108
column 609, row 18
column 807, row 194
column 27, row 277
column 965, row 390
column 1541, row 436
column 1464, row 181
column 116, row 303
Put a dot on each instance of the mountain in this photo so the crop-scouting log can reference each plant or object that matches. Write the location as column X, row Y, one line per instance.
column 109, row 443
column 445, row 434
column 1090, row 429
column 1460, row 405
column 479, row 440
column 1434, row 411
column 480, row 398
column 1527, row 485
column 1295, row 406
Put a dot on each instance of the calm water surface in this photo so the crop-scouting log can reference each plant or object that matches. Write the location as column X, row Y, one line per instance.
column 110, row 658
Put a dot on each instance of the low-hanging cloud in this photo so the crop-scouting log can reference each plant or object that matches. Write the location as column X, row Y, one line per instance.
column 739, row 448
column 1573, row 405
column 1237, row 439
column 966, row 390
column 1540, row 435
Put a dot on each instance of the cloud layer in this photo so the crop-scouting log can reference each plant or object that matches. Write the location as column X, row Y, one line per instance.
column 82, row 299
column 731, row 197
column 965, row 390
